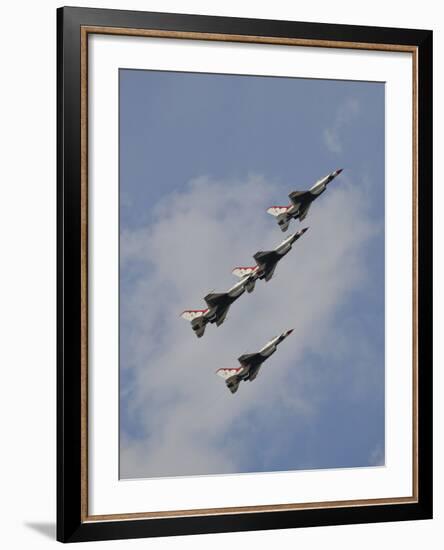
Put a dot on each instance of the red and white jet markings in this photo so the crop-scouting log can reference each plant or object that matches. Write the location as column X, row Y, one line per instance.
column 190, row 314
column 226, row 373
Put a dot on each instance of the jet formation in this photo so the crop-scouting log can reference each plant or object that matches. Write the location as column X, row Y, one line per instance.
column 219, row 303
column 250, row 364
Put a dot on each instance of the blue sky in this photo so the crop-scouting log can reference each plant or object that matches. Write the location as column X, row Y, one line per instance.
column 201, row 158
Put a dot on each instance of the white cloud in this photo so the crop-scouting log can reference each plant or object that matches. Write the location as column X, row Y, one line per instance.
column 345, row 114
column 184, row 411
column 377, row 457
column 332, row 141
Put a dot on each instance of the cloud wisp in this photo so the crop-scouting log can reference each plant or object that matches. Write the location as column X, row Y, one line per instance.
column 345, row 115
column 179, row 417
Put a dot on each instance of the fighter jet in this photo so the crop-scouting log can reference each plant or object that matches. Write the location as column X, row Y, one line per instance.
column 216, row 312
column 266, row 262
column 300, row 202
column 250, row 364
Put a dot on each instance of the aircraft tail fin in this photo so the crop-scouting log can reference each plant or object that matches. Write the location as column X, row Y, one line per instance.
column 277, row 210
column 228, row 372
column 231, row 377
column 280, row 213
column 197, row 320
column 191, row 314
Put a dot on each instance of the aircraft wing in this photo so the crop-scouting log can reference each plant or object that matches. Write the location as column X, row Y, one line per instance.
column 263, row 257
column 254, row 372
column 303, row 212
column 221, row 315
column 297, row 197
column 270, row 272
column 247, row 359
column 214, row 298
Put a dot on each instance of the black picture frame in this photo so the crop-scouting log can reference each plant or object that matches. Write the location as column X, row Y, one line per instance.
column 72, row 525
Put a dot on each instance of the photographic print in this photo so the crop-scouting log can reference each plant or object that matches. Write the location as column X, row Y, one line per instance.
column 251, row 211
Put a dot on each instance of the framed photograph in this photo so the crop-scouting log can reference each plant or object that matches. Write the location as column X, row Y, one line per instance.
column 244, row 274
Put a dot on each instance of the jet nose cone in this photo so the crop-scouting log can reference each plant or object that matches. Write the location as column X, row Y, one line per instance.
column 304, row 230
column 338, row 171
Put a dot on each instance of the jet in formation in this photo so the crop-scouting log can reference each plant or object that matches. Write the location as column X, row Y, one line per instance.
column 300, row 202
column 250, row 364
column 266, row 262
column 216, row 312
column 219, row 303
